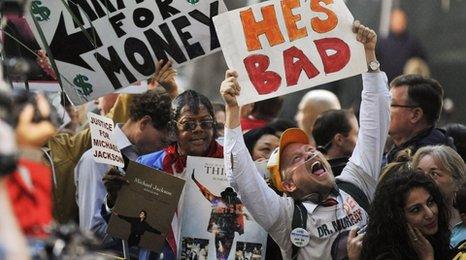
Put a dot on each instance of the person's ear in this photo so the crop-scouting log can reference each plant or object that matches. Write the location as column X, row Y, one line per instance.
column 416, row 115
column 144, row 122
column 289, row 186
column 338, row 139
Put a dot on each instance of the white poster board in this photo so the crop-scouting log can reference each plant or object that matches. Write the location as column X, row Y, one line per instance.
column 104, row 148
column 280, row 47
column 215, row 224
column 110, row 44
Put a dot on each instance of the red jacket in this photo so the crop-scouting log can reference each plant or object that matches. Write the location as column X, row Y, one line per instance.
column 31, row 205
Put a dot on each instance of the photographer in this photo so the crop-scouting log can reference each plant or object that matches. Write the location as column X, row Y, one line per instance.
column 12, row 242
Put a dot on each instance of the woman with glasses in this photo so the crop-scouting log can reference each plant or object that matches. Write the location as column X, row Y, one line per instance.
column 194, row 132
column 447, row 168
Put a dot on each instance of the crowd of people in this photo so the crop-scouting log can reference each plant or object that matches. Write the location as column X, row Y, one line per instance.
column 387, row 183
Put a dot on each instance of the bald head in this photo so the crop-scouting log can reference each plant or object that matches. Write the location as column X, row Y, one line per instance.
column 398, row 21
column 312, row 104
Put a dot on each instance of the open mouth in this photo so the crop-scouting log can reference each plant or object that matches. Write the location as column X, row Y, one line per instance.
column 317, row 168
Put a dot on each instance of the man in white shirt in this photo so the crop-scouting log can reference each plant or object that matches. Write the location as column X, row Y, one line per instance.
column 324, row 213
column 146, row 131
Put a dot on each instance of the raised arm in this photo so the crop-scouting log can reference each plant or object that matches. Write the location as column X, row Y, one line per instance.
column 149, row 228
column 262, row 202
column 126, row 218
column 364, row 166
column 207, row 194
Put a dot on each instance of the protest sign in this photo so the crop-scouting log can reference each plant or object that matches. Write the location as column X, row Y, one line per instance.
column 151, row 193
column 215, row 224
column 104, row 149
column 110, row 44
column 279, row 47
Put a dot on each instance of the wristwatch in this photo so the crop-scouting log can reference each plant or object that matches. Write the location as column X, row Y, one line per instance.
column 373, row 66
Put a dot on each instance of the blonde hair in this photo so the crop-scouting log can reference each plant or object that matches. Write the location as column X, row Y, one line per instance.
column 417, row 66
column 446, row 157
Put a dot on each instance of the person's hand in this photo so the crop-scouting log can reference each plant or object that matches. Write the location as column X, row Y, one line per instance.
column 354, row 244
column 164, row 76
column 113, row 181
column 32, row 134
column 44, row 63
column 420, row 244
column 367, row 37
column 230, row 88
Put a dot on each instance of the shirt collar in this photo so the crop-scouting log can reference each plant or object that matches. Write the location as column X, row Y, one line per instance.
column 121, row 140
column 311, row 206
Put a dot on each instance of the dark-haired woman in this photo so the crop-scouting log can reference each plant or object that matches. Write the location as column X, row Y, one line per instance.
column 408, row 218
column 193, row 127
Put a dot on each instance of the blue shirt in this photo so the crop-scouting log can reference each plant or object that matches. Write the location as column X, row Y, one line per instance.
column 458, row 234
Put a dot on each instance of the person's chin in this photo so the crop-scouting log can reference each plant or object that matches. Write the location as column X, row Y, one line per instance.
column 430, row 229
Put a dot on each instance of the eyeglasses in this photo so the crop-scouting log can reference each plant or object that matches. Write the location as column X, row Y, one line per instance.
column 191, row 125
column 312, row 154
column 404, row 106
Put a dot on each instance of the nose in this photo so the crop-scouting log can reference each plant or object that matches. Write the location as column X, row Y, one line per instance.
column 428, row 213
column 198, row 126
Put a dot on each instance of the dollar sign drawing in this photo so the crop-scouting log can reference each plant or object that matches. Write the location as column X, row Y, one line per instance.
column 42, row 13
column 81, row 82
column 193, row 2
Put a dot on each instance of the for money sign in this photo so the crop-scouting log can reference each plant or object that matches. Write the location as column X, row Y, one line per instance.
column 279, row 47
column 103, row 45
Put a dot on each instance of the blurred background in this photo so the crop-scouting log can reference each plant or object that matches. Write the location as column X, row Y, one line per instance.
column 438, row 25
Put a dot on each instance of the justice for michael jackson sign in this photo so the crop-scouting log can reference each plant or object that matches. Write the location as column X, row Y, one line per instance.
column 283, row 46
column 103, row 45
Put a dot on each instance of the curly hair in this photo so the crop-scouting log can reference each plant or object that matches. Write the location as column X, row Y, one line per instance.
column 194, row 101
column 387, row 229
column 154, row 103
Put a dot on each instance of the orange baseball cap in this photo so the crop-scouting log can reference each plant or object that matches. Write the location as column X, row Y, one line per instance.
column 291, row 135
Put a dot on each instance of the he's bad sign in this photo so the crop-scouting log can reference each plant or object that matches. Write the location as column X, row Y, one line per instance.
column 110, row 44
column 279, row 47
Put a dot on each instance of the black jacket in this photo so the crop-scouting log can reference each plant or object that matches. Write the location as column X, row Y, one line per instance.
column 430, row 136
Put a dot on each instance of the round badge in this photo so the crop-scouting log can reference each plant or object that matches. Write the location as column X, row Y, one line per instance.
column 300, row 237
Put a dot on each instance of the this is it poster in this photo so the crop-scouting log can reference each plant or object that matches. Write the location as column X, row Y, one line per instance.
column 215, row 223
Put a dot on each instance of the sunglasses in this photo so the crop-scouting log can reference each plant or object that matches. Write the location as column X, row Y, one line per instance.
column 191, row 125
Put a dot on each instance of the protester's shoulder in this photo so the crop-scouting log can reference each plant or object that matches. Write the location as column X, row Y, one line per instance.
column 436, row 136
column 151, row 159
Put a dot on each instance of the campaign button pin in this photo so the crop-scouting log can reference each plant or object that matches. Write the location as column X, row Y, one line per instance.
column 300, row 237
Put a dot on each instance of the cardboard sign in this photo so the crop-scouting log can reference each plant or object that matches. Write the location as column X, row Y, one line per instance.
column 150, row 191
column 215, row 224
column 104, row 149
column 279, row 47
column 110, row 44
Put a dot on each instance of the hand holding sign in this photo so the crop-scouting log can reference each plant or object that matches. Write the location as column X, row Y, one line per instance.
column 230, row 88
column 164, row 76
column 113, row 181
column 366, row 36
